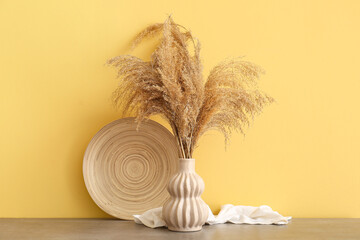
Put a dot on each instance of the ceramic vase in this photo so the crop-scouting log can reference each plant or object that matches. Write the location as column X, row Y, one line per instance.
column 185, row 211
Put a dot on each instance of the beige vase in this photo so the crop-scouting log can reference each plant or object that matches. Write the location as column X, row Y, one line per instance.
column 185, row 211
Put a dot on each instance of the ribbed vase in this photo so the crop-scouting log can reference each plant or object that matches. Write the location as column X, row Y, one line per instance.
column 185, row 211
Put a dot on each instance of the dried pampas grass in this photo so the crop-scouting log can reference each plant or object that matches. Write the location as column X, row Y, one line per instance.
column 171, row 84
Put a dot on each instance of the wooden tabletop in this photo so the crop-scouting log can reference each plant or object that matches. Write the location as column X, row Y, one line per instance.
column 108, row 229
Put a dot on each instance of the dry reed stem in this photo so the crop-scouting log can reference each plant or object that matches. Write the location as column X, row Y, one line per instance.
column 171, row 84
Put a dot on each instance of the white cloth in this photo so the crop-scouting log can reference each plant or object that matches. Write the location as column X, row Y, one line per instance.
column 228, row 213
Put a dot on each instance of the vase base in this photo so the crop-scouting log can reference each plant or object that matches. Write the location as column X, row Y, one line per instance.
column 194, row 229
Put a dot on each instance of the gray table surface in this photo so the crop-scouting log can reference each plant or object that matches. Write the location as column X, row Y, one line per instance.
column 108, row 229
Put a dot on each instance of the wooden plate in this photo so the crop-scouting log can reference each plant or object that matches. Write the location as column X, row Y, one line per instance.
column 127, row 171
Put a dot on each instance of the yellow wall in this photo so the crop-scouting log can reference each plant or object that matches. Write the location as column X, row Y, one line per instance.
column 301, row 156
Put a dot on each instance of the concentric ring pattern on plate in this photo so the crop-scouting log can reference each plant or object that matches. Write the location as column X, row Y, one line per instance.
column 127, row 171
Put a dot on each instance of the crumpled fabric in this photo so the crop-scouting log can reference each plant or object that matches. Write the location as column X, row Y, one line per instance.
column 228, row 214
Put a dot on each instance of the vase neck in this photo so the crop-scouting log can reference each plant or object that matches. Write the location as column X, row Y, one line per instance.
column 186, row 165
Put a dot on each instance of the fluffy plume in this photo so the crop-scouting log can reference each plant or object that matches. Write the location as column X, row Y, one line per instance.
column 171, row 84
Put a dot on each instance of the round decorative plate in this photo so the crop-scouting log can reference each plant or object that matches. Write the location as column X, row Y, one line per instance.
column 127, row 171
